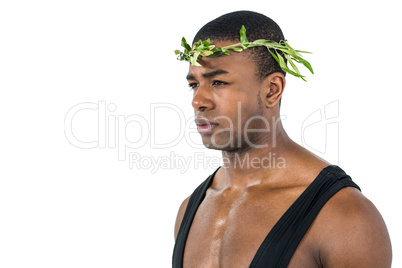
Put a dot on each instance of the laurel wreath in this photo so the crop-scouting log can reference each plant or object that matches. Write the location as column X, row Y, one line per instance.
column 205, row 49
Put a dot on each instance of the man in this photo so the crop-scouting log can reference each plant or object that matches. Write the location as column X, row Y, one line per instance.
column 303, row 212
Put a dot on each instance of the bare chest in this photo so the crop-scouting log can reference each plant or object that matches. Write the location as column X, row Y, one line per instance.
column 227, row 231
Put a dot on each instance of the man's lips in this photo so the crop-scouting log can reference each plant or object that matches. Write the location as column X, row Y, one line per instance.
column 204, row 126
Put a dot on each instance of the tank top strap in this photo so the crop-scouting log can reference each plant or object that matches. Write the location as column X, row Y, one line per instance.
column 281, row 242
column 194, row 202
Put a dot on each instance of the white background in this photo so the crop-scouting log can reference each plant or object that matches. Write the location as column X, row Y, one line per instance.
column 62, row 206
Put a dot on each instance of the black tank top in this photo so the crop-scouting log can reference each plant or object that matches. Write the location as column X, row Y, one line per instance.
column 281, row 242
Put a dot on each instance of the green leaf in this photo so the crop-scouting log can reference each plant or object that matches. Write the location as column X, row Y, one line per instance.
column 243, row 38
column 305, row 63
column 301, row 51
column 251, row 45
column 274, row 56
column 292, row 63
column 286, row 51
column 200, row 47
column 206, row 53
column 177, row 51
column 206, row 42
column 237, row 49
column 185, row 45
column 261, row 41
column 216, row 53
column 194, row 59
column 281, row 61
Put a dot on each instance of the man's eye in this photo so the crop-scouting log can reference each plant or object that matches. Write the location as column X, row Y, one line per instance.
column 193, row 86
column 218, row 83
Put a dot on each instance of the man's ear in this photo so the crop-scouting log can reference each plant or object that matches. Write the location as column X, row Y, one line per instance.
column 272, row 89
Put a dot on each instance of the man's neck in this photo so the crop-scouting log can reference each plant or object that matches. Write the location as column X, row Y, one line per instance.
column 257, row 165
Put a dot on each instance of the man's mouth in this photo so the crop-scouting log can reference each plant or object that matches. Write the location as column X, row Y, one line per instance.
column 205, row 126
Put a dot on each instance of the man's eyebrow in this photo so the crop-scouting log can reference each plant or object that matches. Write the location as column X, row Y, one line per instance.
column 208, row 75
column 190, row 77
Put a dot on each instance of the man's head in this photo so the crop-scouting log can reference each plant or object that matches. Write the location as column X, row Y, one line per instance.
column 259, row 26
column 238, row 92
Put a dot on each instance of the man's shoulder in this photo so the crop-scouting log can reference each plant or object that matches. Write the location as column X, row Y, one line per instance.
column 350, row 231
column 350, row 207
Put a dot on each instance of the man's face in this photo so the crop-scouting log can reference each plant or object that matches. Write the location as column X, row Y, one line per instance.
column 227, row 101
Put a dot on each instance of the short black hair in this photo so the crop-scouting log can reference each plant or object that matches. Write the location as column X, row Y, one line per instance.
column 258, row 26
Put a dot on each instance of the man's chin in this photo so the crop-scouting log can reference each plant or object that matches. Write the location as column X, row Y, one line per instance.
column 216, row 145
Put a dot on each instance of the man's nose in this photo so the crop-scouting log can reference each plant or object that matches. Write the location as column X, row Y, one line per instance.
column 202, row 100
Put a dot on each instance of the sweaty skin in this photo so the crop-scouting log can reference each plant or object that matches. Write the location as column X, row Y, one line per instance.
column 244, row 203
